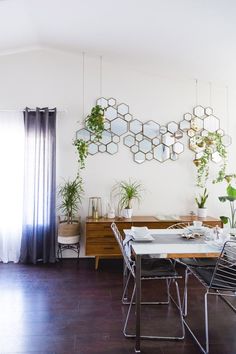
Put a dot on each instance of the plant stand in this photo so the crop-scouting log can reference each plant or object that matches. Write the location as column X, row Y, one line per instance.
column 68, row 243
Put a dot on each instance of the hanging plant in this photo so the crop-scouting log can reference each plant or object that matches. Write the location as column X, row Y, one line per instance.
column 206, row 146
column 82, row 149
column 95, row 122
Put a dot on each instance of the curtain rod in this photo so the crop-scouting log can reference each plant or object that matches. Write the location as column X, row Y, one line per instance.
column 22, row 110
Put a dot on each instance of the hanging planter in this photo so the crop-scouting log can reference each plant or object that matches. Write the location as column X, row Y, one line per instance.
column 95, row 122
column 207, row 145
column 82, row 149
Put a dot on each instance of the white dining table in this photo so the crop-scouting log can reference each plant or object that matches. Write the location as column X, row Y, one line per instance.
column 167, row 243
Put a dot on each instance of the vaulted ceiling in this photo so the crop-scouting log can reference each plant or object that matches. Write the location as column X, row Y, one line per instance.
column 191, row 38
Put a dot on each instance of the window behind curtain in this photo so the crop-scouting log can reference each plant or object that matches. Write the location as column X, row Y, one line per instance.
column 12, row 137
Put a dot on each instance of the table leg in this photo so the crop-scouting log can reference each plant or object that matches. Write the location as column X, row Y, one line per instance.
column 138, row 302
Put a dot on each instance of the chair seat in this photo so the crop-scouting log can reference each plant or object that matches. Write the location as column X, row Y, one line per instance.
column 157, row 268
column 219, row 283
column 199, row 262
column 68, row 240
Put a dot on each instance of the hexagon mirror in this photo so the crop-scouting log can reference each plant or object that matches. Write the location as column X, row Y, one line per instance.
column 134, row 148
column 102, row 102
column 174, row 156
column 199, row 111
column 102, row 148
column 123, row 109
column 161, row 153
column 151, row 129
column 172, row 127
column 119, row 126
column 139, row 157
column 106, row 137
column 187, row 116
column 178, row 134
column 83, row 134
column 112, row 148
column 211, row 123
column 110, row 113
column 215, row 157
column 92, row 149
column 145, row 145
column 184, row 125
column 208, row 111
column 149, row 156
column 196, row 124
column 168, row 139
column 226, row 140
column 163, row 129
column 178, row 148
column 129, row 140
column 135, row 126
column 111, row 101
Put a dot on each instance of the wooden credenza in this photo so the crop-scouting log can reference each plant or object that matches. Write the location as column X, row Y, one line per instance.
column 101, row 243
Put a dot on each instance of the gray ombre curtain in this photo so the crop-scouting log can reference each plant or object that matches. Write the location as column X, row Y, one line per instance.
column 39, row 220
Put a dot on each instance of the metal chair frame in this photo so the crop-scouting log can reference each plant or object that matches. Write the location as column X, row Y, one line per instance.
column 130, row 266
column 223, row 281
column 187, row 272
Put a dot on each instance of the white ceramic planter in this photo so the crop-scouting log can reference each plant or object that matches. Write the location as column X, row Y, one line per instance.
column 127, row 213
column 202, row 212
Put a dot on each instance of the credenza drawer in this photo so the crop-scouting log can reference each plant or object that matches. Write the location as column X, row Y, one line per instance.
column 102, row 249
column 101, row 238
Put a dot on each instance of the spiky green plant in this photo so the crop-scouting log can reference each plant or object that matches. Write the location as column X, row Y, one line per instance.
column 128, row 191
column 70, row 193
column 202, row 199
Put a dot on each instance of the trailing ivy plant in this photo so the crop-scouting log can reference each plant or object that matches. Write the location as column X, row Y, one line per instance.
column 82, row 149
column 207, row 145
column 95, row 122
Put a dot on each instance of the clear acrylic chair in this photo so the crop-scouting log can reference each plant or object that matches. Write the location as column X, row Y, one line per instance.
column 219, row 280
column 151, row 269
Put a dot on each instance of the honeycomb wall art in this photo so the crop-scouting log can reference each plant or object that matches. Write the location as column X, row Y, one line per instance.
column 149, row 140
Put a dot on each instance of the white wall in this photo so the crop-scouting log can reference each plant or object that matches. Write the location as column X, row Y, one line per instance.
column 50, row 78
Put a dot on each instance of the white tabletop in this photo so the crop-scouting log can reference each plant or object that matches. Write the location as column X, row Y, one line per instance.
column 168, row 243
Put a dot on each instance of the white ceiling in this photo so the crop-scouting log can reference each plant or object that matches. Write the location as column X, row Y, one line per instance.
column 193, row 38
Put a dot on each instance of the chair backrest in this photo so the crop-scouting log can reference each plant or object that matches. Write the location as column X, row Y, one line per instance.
column 179, row 225
column 128, row 262
column 224, row 276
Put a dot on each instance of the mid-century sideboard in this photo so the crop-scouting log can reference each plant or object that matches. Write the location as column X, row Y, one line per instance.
column 101, row 243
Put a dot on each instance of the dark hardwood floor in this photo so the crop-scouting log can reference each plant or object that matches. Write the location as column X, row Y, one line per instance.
column 66, row 309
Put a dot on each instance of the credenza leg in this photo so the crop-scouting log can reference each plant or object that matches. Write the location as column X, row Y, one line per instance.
column 96, row 262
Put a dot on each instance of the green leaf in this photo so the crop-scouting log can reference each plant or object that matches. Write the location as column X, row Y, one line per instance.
column 224, row 219
column 223, row 199
column 231, row 192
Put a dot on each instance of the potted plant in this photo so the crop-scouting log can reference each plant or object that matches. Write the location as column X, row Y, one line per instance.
column 201, row 201
column 95, row 122
column 82, row 149
column 70, row 194
column 231, row 198
column 206, row 146
column 128, row 192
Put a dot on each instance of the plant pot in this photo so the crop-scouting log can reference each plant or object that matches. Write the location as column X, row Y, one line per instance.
column 127, row 213
column 65, row 229
column 202, row 212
